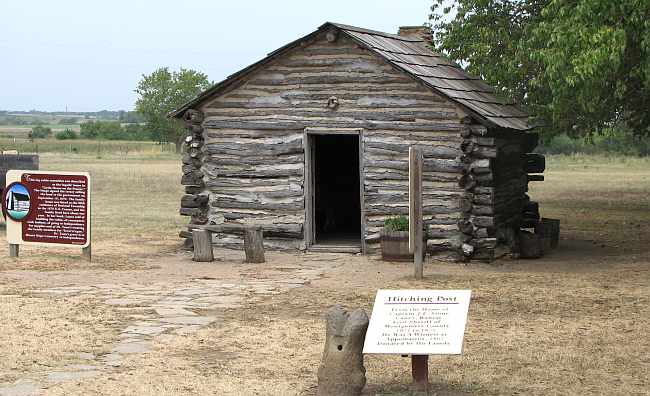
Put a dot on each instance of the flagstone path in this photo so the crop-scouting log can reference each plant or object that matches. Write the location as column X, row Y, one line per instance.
column 162, row 308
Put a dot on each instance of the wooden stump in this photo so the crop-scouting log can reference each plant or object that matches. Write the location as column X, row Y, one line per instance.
column 530, row 245
column 202, row 245
column 254, row 245
column 341, row 372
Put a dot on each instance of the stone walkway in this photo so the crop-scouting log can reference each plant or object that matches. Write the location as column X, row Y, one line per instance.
column 161, row 308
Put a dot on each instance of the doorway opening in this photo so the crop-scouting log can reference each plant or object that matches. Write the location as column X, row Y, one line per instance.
column 336, row 199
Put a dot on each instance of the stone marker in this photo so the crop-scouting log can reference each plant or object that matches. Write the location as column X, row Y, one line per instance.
column 341, row 372
column 253, row 244
column 202, row 245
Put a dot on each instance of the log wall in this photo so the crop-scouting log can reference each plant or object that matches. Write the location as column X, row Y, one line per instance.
column 253, row 151
column 495, row 180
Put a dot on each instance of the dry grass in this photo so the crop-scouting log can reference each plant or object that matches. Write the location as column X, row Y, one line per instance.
column 572, row 323
column 604, row 199
column 38, row 333
column 135, row 203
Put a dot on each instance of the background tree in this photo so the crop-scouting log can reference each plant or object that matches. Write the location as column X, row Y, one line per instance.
column 578, row 65
column 163, row 91
column 40, row 132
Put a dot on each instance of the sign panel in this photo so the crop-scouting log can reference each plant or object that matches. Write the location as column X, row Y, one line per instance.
column 417, row 322
column 47, row 207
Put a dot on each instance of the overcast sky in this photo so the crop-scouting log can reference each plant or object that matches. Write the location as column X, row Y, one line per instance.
column 89, row 55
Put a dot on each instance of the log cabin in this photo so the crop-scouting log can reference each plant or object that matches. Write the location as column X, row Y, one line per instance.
column 311, row 143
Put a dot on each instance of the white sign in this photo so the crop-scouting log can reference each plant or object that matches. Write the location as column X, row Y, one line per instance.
column 418, row 322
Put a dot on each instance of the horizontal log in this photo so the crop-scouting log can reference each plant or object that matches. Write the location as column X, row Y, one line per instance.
column 429, row 165
column 378, row 174
column 269, row 230
column 194, row 201
column 401, row 148
column 287, row 124
column 194, row 189
column 331, row 79
column 257, row 149
column 482, row 210
column 402, row 115
column 428, row 199
column 439, row 245
column 190, row 211
column 221, row 160
column 235, row 204
column 192, row 179
column 438, row 232
column 261, row 171
column 403, row 210
column 363, row 96
column 232, row 241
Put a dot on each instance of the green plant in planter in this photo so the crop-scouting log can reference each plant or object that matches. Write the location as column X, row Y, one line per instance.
column 399, row 223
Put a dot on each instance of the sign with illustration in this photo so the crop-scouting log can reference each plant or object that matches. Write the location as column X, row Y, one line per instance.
column 16, row 201
column 417, row 322
column 47, row 207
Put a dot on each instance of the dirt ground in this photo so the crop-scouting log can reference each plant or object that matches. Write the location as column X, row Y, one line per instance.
column 573, row 323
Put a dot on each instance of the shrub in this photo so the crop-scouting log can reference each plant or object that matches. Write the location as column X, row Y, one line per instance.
column 615, row 140
column 66, row 134
column 399, row 223
column 40, row 132
column 113, row 130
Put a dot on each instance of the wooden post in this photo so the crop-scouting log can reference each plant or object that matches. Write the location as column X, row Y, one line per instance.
column 13, row 250
column 254, row 244
column 415, row 210
column 420, row 371
column 202, row 245
column 86, row 252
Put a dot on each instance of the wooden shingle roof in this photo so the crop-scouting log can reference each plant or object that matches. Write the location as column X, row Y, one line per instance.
column 414, row 57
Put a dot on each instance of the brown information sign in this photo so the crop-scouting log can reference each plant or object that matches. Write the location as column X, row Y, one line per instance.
column 61, row 205
column 57, row 209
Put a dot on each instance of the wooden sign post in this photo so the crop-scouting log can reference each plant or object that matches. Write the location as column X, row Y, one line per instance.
column 418, row 323
column 47, row 208
column 415, row 210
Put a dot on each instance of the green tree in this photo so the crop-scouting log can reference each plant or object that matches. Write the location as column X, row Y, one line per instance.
column 579, row 65
column 162, row 92
column 40, row 132
column 66, row 134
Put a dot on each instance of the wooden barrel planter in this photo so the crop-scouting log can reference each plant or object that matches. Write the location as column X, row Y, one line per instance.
column 395, row 246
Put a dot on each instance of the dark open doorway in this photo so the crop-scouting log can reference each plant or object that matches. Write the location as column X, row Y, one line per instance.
column 337, row 208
